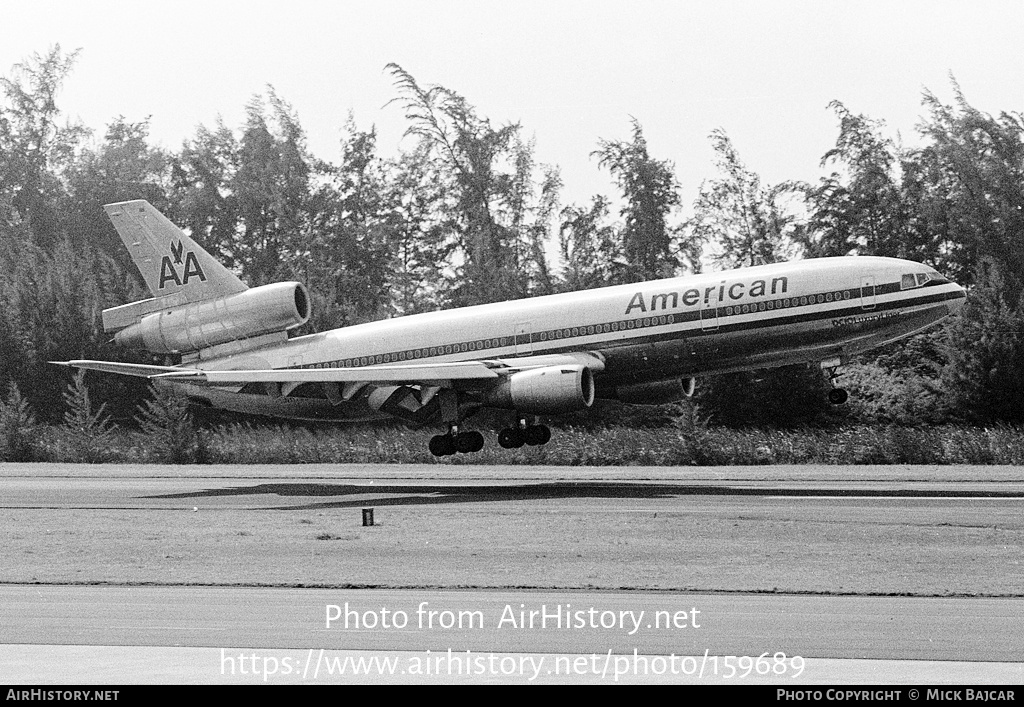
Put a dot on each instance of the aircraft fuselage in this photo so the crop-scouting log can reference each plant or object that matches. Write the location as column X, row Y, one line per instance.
column 825, row 309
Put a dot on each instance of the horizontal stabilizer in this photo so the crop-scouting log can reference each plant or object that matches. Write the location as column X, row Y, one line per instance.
column 138, row 370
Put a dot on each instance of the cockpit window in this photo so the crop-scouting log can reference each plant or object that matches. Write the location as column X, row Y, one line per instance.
column 910, row 280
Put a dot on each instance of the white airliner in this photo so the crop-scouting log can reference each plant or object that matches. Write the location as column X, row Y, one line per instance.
column 641, row 343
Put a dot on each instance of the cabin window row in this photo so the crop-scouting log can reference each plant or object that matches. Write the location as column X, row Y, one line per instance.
column 788, row 302
column 607, row 328
column 414, row 354
column 573, row 332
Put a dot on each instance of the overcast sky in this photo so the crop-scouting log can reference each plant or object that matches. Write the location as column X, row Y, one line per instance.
column 570, row 71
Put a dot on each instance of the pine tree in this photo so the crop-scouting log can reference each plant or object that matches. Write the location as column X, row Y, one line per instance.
column 746, row 223
column 487, row 173
column 17, row 427
column 651, row 192
column 860, row 208
column 171, row 435
column 984, row 379
column 87, row 433
column 590, row 249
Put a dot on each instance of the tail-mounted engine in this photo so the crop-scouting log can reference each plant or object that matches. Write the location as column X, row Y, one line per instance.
column 153, row 326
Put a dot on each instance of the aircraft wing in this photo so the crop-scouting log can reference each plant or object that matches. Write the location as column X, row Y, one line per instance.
column 411, row 391
column 437, row 373
column 430, row 374
column 426, row 373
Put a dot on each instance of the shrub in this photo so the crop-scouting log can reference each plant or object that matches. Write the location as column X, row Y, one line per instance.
column 881, row 395
column 780, row 397
column 985, row 375
column 17, row 428
column 86, row 434
column 171, row 437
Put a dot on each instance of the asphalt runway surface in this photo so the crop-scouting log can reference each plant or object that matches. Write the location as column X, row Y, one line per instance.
column 275, row 635
column 58, row 486
column 50, row 628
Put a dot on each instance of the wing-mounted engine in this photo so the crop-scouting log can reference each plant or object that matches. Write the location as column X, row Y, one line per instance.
column 544, row 391
column 164, row 325
column 656, row 392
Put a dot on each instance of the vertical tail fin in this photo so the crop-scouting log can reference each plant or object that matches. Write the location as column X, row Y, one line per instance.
column 170, row 261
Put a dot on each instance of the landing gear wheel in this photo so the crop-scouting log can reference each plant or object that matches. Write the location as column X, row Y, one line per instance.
column 838, row 396
column 468, row 442
column 535, row 435
column 442, row 445
column 511, row 438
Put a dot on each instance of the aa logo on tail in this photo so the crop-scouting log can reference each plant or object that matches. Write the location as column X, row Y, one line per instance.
column 169, row 268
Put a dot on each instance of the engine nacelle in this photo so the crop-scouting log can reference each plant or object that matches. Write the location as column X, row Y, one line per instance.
column 550, row 390
column 200, row 325
column 656, row 392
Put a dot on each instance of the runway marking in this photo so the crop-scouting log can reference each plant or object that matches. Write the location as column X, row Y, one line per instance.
column 45, row 664
column 176, row 628
column 987, row 497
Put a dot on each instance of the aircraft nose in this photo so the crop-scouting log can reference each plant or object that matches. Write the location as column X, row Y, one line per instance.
column 956, row 302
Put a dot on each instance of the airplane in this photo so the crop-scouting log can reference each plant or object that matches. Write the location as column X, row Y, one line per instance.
column 227, row 345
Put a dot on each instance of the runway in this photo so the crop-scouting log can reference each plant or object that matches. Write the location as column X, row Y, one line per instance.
column 898, row 628
column 297, row 487
column 899, row 566
column 974, row 640
column 931, row 531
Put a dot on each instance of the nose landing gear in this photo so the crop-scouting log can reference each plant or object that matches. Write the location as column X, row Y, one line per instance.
column 836, row 396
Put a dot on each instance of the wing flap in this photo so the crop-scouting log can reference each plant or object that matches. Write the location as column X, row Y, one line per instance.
column 591, row 360
column 440, row 373
column 416, row 373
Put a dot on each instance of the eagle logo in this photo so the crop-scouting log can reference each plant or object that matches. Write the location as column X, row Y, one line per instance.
column 176, row 250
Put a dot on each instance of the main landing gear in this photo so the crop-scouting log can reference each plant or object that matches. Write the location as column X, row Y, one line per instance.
column 455, row 441
column 517, row 436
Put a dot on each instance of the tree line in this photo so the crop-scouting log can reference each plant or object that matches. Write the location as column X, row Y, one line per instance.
column 465, row 214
